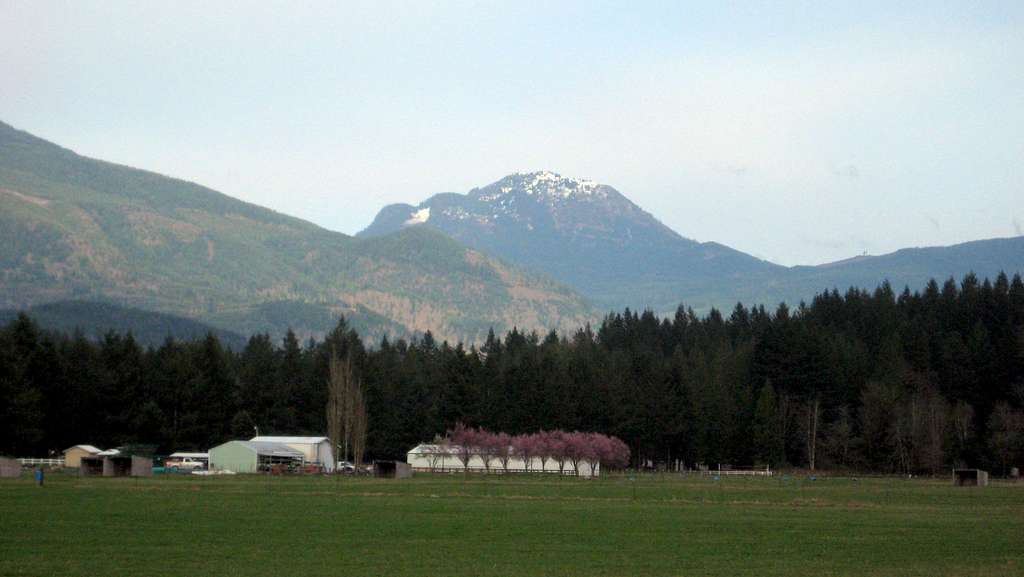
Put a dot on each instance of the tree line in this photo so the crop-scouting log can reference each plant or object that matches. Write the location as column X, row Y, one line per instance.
column 569, row 451
column 867, row 380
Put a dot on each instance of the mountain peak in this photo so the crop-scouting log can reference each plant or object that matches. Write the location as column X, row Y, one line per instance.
column 542, row 184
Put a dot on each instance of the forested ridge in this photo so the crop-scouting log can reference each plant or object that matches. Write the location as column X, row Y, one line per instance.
column 866, row 380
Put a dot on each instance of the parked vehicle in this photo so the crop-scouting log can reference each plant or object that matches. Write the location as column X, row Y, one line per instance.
column 183, row 464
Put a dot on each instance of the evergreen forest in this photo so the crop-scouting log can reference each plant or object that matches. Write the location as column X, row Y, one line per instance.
column 880, row 381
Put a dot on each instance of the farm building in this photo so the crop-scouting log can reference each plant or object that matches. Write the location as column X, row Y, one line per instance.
column 392, row 470
column 73, row 456
column 9, row 467
column 253, row 456
column 445, row 458
column 315, row 450
column 970, row 478
column 114, row 464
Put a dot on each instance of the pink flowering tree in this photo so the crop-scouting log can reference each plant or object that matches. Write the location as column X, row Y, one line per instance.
column 542, row 448
column 525, row 447
column 593, row 449
column 503, row 450
column 614, row 453
column 487, row 447
column 577, row 447
column 558, row 448
column 465, row 440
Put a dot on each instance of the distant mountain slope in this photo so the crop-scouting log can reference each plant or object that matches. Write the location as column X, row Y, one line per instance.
column 95, row 319
column 593, row 238
column 912, row 267
column 585, row 234
column 74, row 228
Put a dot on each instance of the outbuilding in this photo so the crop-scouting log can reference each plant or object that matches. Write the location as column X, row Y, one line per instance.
column 73, row 455
column 253, row 456
column 315, row 450
column 9, row 468
column 392, row 470
column 448, row 459
column 115, row 464
column 970, row 478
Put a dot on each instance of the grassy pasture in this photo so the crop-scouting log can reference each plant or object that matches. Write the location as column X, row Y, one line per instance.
column 454, row 525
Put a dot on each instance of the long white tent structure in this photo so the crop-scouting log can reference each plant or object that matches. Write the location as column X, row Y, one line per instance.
column 446, row 459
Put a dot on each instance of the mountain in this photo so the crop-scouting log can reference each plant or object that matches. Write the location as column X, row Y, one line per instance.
column 585, row 234
column 912, row 267
column 75, row 228
column 591, row 237
column 95, row 319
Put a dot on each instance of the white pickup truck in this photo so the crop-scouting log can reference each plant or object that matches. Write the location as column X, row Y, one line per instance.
column 184, row 464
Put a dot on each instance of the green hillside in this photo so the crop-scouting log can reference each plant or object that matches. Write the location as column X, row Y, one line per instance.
column 74, row 228
column 95, row 319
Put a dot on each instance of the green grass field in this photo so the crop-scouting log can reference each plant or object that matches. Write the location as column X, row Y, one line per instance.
column 453, row 525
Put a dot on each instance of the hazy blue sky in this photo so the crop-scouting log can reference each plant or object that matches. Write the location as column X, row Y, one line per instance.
column 801, row 133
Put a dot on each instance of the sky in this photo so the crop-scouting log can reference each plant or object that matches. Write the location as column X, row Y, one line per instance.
column 802, row 133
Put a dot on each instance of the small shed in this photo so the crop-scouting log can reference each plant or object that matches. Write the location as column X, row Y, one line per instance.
column 73, row 455
column 9, row 468
column 392, row 469
column 253, row 456
column 116, row 465
column 970, row 478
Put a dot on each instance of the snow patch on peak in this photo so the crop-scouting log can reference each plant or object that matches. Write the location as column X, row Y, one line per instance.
column 505, row 199
column 418, row 217
column 547, row 183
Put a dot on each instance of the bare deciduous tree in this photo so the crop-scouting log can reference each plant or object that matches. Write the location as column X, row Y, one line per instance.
column 337, row 382
column 346, row 410
column 357, row 417
column 812, row 412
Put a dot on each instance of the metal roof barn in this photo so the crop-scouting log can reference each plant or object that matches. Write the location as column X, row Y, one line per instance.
column 252, row 456
column 316, row 450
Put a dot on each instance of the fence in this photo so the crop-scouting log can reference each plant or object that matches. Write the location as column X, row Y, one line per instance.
column 41, row 462
column 499, row 470
column 737, row 471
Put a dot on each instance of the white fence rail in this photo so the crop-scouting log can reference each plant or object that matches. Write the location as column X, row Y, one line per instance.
column 41, row 462
column 739, row 472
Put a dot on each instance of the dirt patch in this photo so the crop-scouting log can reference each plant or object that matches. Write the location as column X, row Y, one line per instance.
column 43, row 202
column 474, row 258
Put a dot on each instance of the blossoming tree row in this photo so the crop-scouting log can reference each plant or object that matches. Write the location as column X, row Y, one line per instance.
column 572, row 451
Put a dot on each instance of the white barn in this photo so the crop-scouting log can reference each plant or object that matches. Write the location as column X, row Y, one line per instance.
column 445, row 459
column 316, row 450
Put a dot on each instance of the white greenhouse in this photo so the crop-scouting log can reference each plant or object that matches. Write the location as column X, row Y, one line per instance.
column 446, row 459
